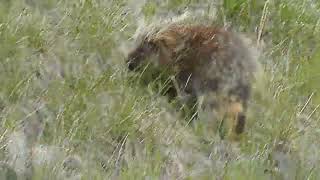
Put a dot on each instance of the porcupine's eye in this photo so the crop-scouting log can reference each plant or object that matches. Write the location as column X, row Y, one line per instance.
column 131, row 63
column 134, row 58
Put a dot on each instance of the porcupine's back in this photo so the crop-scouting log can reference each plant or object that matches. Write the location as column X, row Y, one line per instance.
column 212, row 55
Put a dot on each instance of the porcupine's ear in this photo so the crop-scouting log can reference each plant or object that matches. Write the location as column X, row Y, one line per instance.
column 163, row 44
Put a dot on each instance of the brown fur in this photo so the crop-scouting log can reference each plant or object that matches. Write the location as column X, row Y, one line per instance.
column 205, row 60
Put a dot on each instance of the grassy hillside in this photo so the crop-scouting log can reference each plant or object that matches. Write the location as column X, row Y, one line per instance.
column 66, row 97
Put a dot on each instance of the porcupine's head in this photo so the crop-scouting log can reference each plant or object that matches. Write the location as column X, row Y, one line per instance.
column 143, row 50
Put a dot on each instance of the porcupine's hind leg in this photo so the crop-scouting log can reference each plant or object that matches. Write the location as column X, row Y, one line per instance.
column 236, row 106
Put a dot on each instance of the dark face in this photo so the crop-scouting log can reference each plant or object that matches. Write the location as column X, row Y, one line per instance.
column 139, row 54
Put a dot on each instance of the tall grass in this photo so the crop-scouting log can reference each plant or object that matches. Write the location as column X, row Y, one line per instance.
column 67, row 99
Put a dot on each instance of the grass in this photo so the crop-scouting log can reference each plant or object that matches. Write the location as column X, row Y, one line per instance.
column 65, row 93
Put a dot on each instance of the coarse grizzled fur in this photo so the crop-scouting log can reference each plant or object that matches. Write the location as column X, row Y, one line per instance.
column 209, row 62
